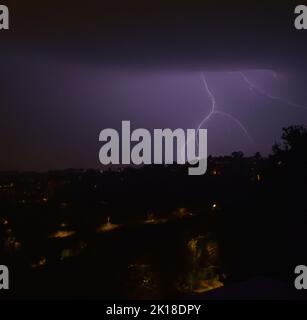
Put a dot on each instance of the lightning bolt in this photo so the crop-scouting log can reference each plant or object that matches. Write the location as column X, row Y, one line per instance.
column 253, row 87
column 214, row 111
column 213, row 103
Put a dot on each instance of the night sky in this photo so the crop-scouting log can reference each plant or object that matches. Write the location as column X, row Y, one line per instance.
column 70, row 70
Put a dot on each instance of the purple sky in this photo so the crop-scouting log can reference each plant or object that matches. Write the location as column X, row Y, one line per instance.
column 62, row 86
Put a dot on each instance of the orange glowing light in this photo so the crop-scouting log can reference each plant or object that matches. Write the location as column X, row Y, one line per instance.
column 62, row 234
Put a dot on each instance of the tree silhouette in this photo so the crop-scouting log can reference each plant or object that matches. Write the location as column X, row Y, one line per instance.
column 294, row 141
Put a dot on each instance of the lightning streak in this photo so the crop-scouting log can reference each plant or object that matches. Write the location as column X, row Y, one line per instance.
column 221, row 113
column 213, row 103
column 213, row 112
column 227, row 115
column 266, row 94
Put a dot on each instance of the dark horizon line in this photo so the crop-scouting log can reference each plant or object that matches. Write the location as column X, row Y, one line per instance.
column 115, row 167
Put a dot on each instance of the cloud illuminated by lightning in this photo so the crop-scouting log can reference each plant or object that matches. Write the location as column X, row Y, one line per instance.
column 253, row 87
